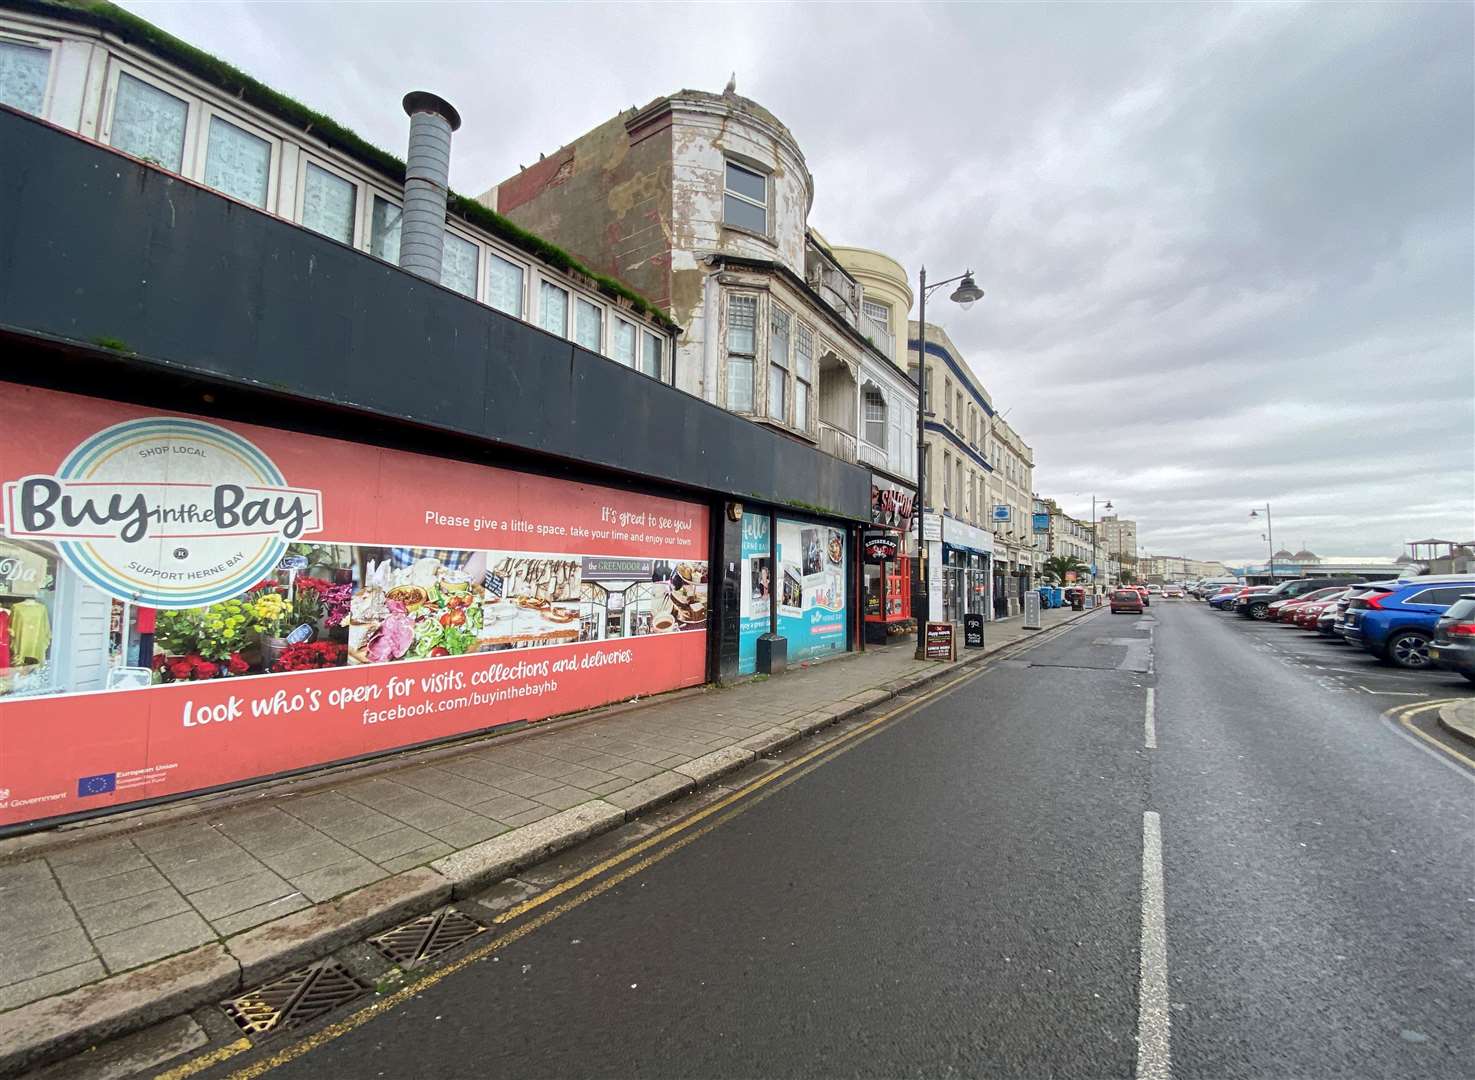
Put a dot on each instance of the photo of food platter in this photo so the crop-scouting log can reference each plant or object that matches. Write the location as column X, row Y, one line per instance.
column 417, row 604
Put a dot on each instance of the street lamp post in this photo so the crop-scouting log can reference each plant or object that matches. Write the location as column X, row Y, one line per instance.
column 1095, row 552
column 964, row 296
column 1269, row 538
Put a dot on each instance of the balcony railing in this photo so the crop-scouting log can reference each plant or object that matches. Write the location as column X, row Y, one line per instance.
column 879, row 333
column 872, row 455
column 836, row 443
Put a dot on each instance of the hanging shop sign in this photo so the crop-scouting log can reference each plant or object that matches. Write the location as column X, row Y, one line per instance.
column 317, row 600
column 881, row 547
column 1001, row 512
column 1041, row 523
column 891, row 505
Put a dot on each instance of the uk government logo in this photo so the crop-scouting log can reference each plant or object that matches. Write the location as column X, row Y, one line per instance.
column 165, row 512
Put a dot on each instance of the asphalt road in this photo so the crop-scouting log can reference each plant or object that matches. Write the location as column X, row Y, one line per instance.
column 962, row 893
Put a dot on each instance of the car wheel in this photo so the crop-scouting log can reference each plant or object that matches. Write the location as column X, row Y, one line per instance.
column 1259, row 612
column 1409, row 649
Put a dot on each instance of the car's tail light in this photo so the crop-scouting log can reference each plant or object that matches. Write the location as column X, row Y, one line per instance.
column 1462, row 629
column 1376, row 600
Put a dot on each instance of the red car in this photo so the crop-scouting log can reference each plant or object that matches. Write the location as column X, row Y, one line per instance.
column 1129, row 600
column 1286, row 610
column 1306, row 615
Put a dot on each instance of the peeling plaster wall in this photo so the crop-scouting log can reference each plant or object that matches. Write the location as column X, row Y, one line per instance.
column 605, row 198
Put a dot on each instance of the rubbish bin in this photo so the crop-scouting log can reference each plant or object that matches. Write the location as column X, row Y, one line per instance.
column 1077, row 601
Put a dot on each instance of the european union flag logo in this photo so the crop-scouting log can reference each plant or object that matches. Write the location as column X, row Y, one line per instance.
column 100, row 784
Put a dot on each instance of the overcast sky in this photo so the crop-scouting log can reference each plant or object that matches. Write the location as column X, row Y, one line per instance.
column 1227, row 249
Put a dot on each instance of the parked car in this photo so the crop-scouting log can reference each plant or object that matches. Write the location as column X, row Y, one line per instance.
column 1307, row 615
column 1209, row 586
column 1224, row 599
column 1339, row 624
column 1453, row 647
column 1259, row 607
column 1396, row 626
column 1245, row 595
column 1285, row 610
column 1128, row 600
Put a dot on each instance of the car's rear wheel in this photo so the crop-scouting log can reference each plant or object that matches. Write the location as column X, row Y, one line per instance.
column 1409, row 649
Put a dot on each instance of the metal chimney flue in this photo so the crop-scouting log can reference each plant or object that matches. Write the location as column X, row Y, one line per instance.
column 427, row 179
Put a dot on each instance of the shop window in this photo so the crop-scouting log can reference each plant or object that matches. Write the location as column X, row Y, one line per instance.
column 650, row 358
column 23, row 73
column 875, row 418
column 588, row 324
column 742, row 348
column 237, row 163
column 803, row 375
column 458, row 267
column 149, row 123
column 624, row 343
column 779, row 322
column 553, row 308
column 504, row 285
column 745, row 198
column 385, row 219
column 328, row 202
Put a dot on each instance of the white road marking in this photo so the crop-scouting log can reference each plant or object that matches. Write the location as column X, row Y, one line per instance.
column 1150, row 722
column 1153, row 1057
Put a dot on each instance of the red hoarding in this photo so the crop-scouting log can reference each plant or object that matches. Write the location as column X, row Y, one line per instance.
column 186, row 604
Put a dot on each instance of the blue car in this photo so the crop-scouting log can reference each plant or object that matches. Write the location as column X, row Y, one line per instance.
column 1396, row 626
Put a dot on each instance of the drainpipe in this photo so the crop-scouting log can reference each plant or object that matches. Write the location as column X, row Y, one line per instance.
column 427, row 177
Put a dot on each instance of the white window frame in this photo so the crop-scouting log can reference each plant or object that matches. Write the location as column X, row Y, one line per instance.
column 395, row 200
column 754, row 383
column 764, row 205
column 118, row 67
column 568, row 310
column 777, row 311
column 800, row 330
column 647, row 335
column 866, row 390
column 52, row 46
column 635, row 328
column 360, row 200
column 481, row 259
column 527, row 276
column 580, row 298
column 274, row 162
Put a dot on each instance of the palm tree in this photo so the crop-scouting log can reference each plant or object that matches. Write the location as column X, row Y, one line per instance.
column 1058, row 566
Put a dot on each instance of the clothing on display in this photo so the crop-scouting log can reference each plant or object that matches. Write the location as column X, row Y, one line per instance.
column 30, row 632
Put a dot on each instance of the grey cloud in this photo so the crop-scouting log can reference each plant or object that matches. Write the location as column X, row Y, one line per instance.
column 1229, row 249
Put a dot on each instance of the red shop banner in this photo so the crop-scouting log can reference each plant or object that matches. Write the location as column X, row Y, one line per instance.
column 186, row 604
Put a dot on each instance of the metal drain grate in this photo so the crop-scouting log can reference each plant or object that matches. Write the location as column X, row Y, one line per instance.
column 297, row 998
column 430, row 935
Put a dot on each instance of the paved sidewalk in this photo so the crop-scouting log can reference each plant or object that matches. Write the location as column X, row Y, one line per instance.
column 85, row 903
column 1458, row 718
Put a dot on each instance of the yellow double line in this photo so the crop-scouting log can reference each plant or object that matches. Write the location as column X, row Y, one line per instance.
column 708, row 818
column 1404, row 715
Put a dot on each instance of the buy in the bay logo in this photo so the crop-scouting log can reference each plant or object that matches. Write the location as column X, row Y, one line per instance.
column 166, row 512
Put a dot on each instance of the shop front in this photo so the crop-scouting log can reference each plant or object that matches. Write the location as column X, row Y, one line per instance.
column 967, row 552
column 187, row 604
column 887, row 550
column 793, row 582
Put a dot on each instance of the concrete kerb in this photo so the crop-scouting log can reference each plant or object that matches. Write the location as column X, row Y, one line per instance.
column 56, row 1026
column 1458, row 718
column 47, row 1029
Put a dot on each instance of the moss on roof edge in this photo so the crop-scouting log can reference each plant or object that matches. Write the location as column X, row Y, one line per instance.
column 108, row 17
